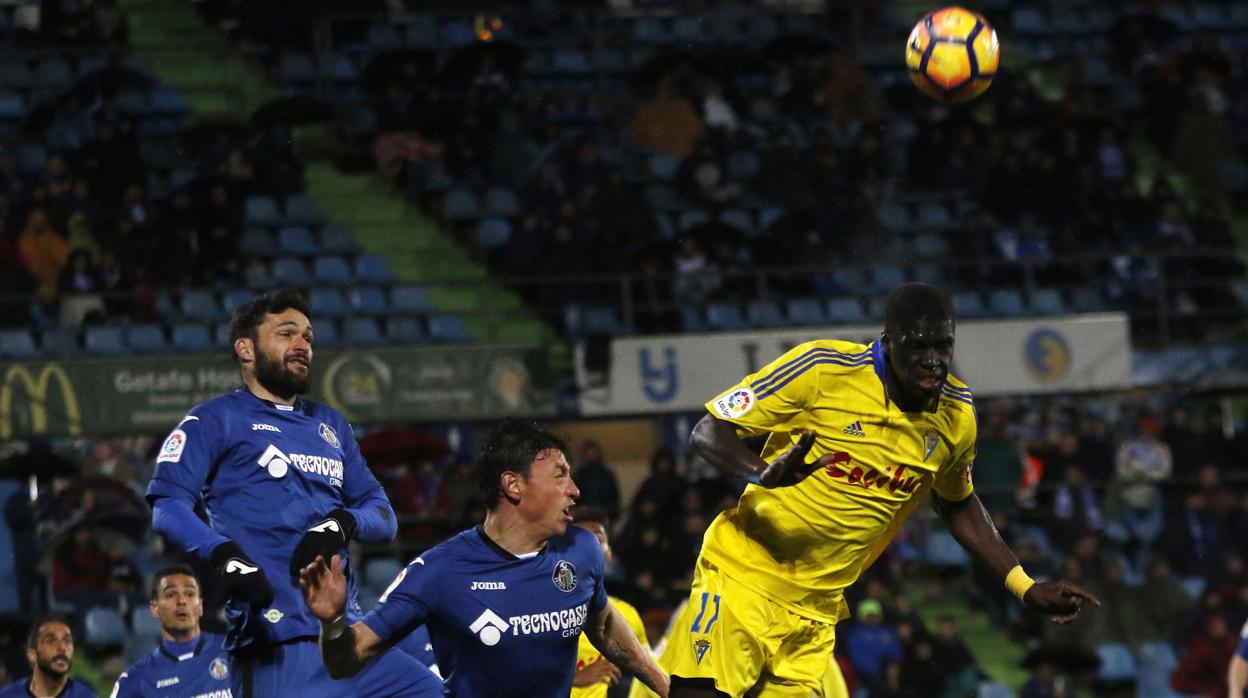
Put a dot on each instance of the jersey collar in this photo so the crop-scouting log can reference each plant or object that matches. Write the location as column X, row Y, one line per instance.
column 500, row 550
column 177, row 658
column 64, row 689
column 300, row 405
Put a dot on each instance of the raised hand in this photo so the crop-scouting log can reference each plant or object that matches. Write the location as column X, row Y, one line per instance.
column 1060, row 599
column 324, row 587
column 790, row 467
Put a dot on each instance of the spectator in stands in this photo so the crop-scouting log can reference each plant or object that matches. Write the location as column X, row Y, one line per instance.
column 598, row 484
column 998, row 464
column 695, row 279
column 1076, row 508
column 50, row 651
column 668, row 122
column 1196, row 539
column 871, row 644
column 78, row 276
column 1202, row 670
column 953, row 657
column 1141, row 464
column 80, row 569
column 1163, row 603
column 919, row 669
column 44, row 252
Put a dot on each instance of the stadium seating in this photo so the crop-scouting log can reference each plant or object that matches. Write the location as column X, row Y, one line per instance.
column 104, row 627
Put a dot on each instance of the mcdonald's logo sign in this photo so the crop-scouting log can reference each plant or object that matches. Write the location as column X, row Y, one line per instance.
column 24, row 405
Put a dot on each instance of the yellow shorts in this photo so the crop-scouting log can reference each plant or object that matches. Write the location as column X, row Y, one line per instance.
column 747, row 644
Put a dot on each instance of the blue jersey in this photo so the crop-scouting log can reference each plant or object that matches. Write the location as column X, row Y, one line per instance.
column 73, row 689
column 201, row 673
column 502, row 626
column 266, row 472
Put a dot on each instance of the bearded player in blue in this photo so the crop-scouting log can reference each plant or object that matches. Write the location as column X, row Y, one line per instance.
column 505, row 602
column 282, row 481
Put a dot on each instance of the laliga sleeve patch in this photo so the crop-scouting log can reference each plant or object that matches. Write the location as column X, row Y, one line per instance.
column 394, row 585
column 735, row 403
column 171, row 450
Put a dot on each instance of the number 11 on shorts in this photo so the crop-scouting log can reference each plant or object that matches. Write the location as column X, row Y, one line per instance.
column 702, row 613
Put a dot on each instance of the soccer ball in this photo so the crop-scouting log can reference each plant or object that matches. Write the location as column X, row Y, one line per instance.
column 952, row 54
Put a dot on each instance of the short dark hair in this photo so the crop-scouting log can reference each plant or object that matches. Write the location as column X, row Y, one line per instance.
column 170, row 570
column 51, row 617
column 588, row 515
column 512, row 444
column 914, row 300
column 248, row 317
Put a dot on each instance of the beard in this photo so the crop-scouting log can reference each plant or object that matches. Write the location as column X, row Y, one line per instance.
column 277, row 379
column 46, row 668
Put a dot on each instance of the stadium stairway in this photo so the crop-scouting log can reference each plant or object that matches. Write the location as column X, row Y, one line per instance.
column 217, row 79
column 995, row 653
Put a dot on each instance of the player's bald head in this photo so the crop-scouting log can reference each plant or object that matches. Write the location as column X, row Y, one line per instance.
column 910, row 303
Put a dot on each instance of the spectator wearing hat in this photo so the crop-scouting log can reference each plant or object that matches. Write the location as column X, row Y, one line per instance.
column 872, row 644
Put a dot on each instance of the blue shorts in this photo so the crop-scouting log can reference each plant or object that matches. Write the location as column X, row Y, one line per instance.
column 294, row 669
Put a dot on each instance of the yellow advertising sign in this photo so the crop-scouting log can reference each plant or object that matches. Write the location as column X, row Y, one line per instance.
column 26, row 387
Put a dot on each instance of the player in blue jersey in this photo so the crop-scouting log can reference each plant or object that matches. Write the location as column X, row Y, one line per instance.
column 282, row 481
column 506, row 601
column 50, row 651
column 186, row 662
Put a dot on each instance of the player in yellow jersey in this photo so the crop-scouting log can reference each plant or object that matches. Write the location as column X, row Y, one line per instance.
column 884, row 424
column 594, row 674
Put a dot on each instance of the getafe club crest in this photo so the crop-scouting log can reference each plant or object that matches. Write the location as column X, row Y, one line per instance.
column 330, row 437
column 564, row 576
column 700, row 648
column 218, row 669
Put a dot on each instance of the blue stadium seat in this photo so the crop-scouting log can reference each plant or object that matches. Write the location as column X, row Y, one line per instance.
column 144, row 627
column 331, row 269
column 492, row 233
column 886, row 277
column 457, row 35
column 1087, row 299
column 257, row 241
column 405, row 330
column 603, row 321
column 850, row 279
column 372, row 269
column 338, row 69
column 409, row 300
column 198, row 304
column 664, row 166
column 233, row 298
column 328, row 301
column 362, row 331
column 291, row 271
column 12, row 107
column 169, row 102
column 726, row 317
column 383, row 37
column 569, row 61
column 147, row 338
column 894, row 216
column 338, row 239
column 31, row 158
column 941, row 550
column 221, row 334
column 845, row 310
column 876, row 307
column 688, row 29
column 162, row 303
column 18, row 344
column 993, row 689
column 692, row 319
column 934, row 215
column 460, row 204
column 296, row 240
column 325, row 332
column 448, row 328
column 742, row 165
column 261, row 210
column 368, row 300
column 688, row 219
column 16, row 74
column 969, row 304
column 53, row 73
column 806, row 312
column 301, row 209
column 651, row 30
column 501, row 202
column 1005, row 302
column 739, row 219
column 104, row 340
column 1047, row 301
column 379, row 572
column 191, row 336
column 769, row 215
column 764, row 314
column 58, row 342
column 929, row 273
column 1117, row 664
column 105, row 627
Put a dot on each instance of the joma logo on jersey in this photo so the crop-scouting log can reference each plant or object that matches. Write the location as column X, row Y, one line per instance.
column 868, row 479
column 488, row 586
column 257, row 426
column 568, row 621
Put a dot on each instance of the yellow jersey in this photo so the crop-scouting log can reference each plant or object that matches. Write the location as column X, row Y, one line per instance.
column 587, row 654
column 803, row 545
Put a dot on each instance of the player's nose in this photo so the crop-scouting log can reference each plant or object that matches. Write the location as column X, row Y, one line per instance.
column 573, row 491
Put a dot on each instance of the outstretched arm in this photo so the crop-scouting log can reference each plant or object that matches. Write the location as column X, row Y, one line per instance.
column 609, row 633
column 345, row 649
column 971, row 525
column 717, row 442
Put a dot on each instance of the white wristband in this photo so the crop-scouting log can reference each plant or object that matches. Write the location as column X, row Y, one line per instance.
column 332, row 630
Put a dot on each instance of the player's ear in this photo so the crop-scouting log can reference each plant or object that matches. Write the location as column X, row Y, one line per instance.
column 510, row 483
column 245, row 349
column 30, row 655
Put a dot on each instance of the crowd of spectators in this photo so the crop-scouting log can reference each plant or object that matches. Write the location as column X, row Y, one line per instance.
column 1065, row 479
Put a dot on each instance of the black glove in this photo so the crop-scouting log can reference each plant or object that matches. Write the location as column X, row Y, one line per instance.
column 325, row 537
column 242, row 577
